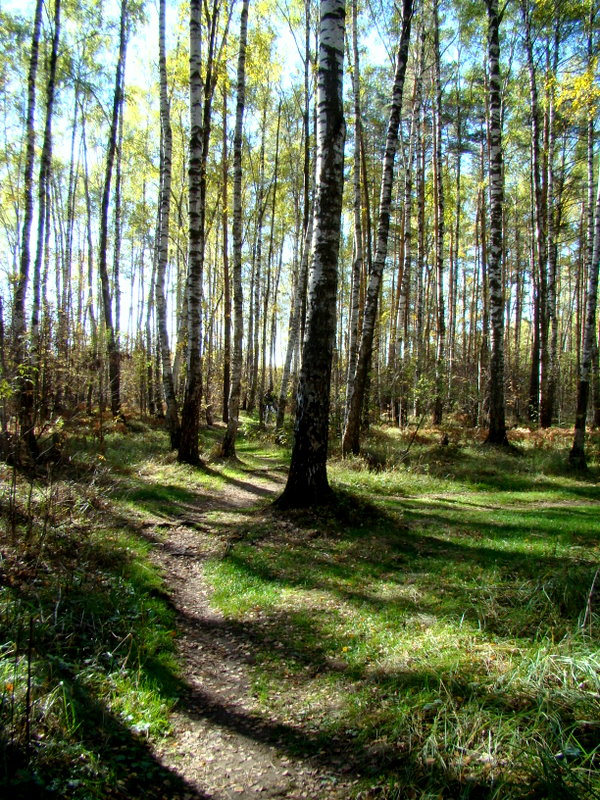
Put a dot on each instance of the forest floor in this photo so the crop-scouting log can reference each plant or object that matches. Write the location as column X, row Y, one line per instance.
column 166, row 634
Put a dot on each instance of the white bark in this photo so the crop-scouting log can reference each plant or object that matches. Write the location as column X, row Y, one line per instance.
column 307, row 479
column 228, row 446
column 497, row 429
column 172, row 414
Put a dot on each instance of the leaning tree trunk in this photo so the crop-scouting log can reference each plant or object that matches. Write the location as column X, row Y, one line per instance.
column 172, row 412
column 307, row 482
column 114, row 369
column 233, row 410
column 351, row 441
column 497, row 429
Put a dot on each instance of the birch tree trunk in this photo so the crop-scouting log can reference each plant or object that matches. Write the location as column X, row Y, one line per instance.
column 307, row 482
column 497, row 430
column 228, row 445
column 18, row 315
column 351, row 443
column 255, row 296
column 552, row 213
column 114, row 371
column 357, row 262
column 294, row 327
column 44, row 187
column 226, row 272
column 539, row 262
column 172, row 411
column 268, row 293
column 438, row 191
column 201, row 94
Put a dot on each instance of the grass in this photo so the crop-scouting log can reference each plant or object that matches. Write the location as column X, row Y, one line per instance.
column 88, row 676
column 87, row 668
column 442, row 627
column 434, row 635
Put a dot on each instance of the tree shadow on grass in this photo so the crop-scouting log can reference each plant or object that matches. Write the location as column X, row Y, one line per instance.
column 294, row 648
column 85, row 644
column 368, row 749
column 102, row 760
column 345, row 552
column 397, row 573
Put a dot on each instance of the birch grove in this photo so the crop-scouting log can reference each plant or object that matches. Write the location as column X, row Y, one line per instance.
column 466, row 261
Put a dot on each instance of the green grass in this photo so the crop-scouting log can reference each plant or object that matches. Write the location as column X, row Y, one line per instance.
column 88, row 675
column 440, row 627
column 87, row 667
column 436, row 634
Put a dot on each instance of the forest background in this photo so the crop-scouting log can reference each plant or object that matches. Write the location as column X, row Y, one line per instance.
column 89, row 298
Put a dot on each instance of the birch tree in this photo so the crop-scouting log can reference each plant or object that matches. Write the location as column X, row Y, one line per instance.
column 172, row 412
column 307, row 481
column 438, row 213
column 235, row 390
column 26, row 415
column 201, row 94
column 351, row 441
column 497, row 429
column 114, row 371
column 357, row 261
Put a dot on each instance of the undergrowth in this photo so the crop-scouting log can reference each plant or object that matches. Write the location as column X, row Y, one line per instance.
column 440, row 627
column 87, row 672
column 434, row 634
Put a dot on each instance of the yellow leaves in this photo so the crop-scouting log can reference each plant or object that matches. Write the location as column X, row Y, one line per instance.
column 580, row 92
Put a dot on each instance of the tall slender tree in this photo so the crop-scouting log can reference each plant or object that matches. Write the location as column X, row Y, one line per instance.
column 357, row 260
column 497, row 430
column 439, row 226
column 44, row 186
column 226, row 270
column 114, row 366
column 539, row 271
column 166, row 156
column 307, row 481
column 235, row 390
column 26, row 386
column 201, row 96
column 577, row 454
column 351, row 441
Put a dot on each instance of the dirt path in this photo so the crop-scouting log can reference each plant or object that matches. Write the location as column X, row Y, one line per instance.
column 223, row 744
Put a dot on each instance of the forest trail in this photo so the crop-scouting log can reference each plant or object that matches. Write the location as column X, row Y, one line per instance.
column 223, row 743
